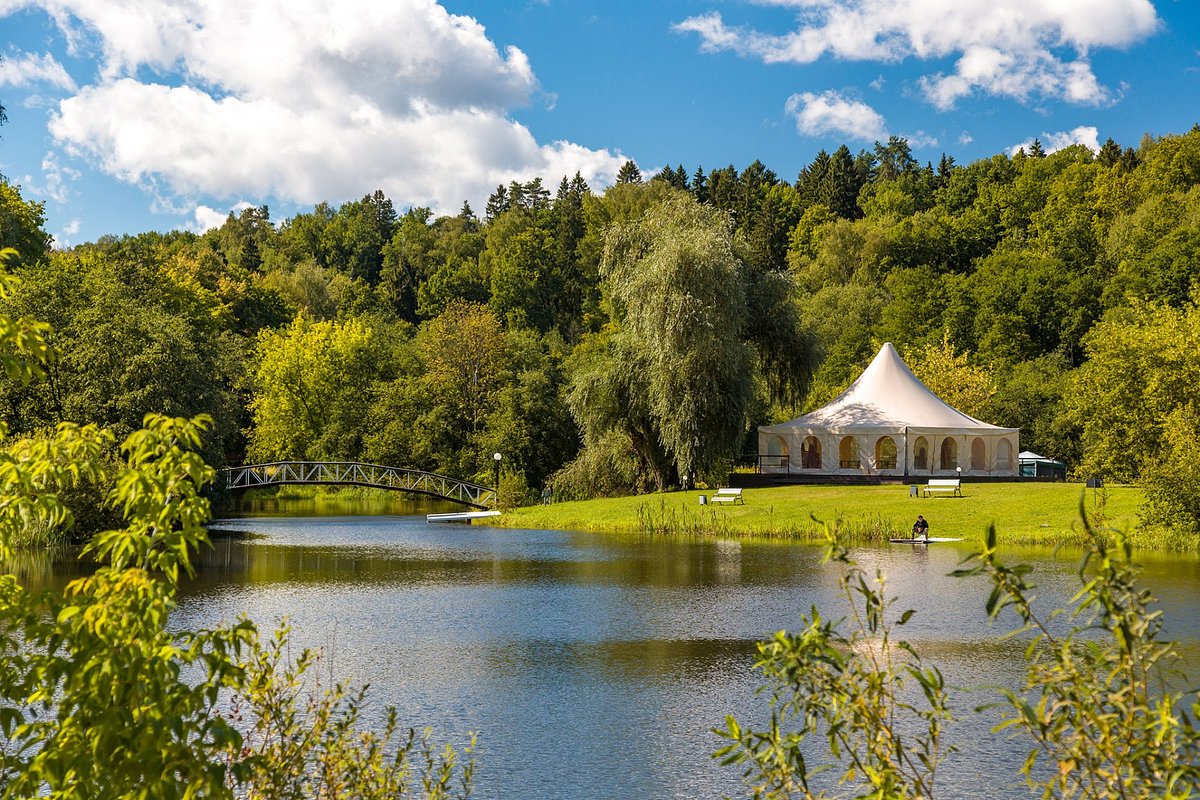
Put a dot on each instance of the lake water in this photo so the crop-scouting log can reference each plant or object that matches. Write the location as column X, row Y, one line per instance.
column 595, row 666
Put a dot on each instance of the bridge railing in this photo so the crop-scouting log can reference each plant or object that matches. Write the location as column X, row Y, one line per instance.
column 355, row 473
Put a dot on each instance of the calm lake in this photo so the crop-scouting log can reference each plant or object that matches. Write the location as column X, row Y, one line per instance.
column 595, row 666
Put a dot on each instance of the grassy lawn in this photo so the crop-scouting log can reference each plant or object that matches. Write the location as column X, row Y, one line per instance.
column 1024, row 513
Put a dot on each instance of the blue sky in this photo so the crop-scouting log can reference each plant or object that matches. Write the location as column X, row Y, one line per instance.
column 161, row 114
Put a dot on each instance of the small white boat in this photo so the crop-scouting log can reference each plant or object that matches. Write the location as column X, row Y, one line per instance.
column 460, row 516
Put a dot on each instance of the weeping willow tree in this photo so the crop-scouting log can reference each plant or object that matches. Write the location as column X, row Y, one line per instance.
column 675, row 373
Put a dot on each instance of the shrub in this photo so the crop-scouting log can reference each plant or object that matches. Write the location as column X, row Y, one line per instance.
column 1094, row 706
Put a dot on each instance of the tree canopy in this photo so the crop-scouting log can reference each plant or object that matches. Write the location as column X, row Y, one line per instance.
column 647, row 329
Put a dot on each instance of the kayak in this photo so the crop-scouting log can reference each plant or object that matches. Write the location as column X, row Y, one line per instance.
column 930, row 540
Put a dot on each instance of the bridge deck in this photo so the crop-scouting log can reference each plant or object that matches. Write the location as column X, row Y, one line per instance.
column 354, row 473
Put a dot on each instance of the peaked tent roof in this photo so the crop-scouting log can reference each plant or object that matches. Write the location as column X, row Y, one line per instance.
column 1029, row 455
column 887, row 395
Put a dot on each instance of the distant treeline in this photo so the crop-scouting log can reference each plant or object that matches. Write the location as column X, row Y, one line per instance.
column 635, row 338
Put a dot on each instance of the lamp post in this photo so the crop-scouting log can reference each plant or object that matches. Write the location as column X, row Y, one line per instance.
column 959, row 471
column 496, row 457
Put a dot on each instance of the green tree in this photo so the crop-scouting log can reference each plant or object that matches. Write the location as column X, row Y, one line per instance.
column 1172, row 479
column 354, row 238
column 408, row 261
column 311, row 390
column 22, row 226
column 681, row 291
column 1141, row 367
column 950, row 375
column 464, row 354
column 629, row 173
column 94, row 667
column 131, row 338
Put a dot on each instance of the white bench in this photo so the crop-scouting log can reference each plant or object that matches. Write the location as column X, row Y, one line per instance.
column 728, row 496
column 951, row 486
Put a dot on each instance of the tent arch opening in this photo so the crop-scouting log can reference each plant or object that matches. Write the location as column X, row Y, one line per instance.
column 848, row 453
column 885, row 453
column 948, row 455
column 979, row 461
column 921, row 453
column 810, row 453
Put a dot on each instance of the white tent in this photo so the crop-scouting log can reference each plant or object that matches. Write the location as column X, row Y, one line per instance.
column 888, row 423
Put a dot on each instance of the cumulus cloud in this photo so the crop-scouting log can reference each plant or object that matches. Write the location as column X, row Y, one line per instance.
column 205, row 218
column 55, row 181
column 1013, row 48
column 59, row 178
column 66, row 237
column 27, row 69
column 304, row 101
column 832, row 114
column 919, row 140
column 1086, row 135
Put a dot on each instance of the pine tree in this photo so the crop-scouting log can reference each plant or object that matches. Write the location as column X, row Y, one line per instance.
column 1036, row 150
column 579, row 187
column 945, row 167
column 700, row 185
column 812, row 178
column 536, row 196
column 895, row 159
column 516, row 195
column 497, row 204
column 1129, row 160
column 841, row 185
column 629, row 173
column 675, row 177
column 1110, row 153
column 723, row 189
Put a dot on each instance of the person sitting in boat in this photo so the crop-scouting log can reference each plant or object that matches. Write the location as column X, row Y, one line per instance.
column 920, row 528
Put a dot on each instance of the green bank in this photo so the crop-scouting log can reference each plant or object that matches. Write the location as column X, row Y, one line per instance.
column 1024, row 513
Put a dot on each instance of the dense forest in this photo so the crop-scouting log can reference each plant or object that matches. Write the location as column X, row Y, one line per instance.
column 630, row 339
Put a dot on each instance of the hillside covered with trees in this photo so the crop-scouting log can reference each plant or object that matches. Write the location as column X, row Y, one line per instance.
column 626, row 340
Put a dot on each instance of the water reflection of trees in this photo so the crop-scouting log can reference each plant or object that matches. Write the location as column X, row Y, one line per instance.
column 38, row 568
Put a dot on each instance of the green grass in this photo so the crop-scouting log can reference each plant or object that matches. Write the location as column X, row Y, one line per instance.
column 1024, row 513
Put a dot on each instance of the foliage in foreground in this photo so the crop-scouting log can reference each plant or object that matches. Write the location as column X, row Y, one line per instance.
column 1097, row 705
column 850, row 689
column 99, row 698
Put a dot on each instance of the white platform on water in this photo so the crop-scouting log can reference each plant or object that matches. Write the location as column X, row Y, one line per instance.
column 930, row 540
column 461, row 516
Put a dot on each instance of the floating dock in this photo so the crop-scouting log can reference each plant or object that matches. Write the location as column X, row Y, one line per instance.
column 461, row 516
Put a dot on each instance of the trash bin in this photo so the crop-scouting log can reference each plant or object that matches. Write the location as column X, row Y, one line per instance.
column 703, row 499
column 914, row 491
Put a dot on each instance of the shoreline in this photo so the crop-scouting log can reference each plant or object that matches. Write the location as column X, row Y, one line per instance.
column 1024, row 514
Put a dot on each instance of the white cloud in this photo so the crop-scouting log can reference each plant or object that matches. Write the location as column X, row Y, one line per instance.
column 304, row 101
column 1086, row 135
column 965, row 138
column 205, row 218
column 55, row 182
column 830, row 113
column 1013, row 48
column 59, row 178
column 919, row 140
column 64, row 238
column 26, row 69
